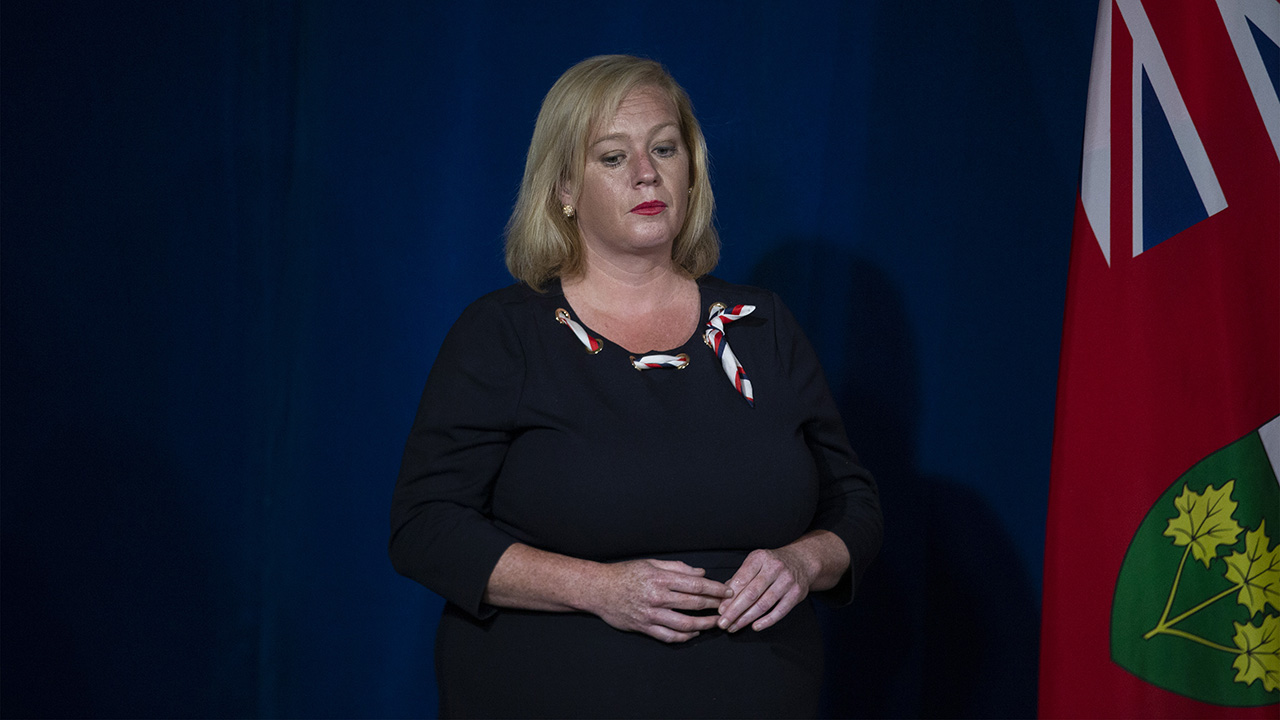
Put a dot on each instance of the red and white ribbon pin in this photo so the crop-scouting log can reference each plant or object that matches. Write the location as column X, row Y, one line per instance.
column 653, row 362
column 593, row 345
column 715, row 339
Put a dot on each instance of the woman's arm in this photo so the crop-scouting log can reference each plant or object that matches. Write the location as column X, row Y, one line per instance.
column 441, row 533
column 644, row 596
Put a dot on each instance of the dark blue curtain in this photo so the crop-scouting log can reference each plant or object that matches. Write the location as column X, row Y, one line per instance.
column 233, row 235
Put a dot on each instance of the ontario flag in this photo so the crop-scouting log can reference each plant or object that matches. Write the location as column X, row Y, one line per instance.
column 1162, row 555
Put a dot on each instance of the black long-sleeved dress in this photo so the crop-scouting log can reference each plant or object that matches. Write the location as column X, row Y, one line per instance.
column 523, row 436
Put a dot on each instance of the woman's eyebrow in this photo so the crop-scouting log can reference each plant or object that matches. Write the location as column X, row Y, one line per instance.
column 623, row 136
column 606, row 138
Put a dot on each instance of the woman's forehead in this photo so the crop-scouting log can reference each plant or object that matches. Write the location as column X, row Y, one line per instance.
column 637, row 100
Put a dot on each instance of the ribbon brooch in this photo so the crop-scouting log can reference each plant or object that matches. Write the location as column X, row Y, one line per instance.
column 713, row 335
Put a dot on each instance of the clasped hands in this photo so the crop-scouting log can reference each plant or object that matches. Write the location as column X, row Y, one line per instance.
column 653, row 596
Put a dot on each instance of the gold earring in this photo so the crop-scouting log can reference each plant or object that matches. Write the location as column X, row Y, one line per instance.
column 568, row 211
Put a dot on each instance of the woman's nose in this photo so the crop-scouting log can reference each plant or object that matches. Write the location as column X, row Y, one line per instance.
column 645, row 172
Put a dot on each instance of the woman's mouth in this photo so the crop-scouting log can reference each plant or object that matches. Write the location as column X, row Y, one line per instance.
column 653, row 207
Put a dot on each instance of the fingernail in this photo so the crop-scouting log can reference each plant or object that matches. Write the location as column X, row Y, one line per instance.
column 723, row 622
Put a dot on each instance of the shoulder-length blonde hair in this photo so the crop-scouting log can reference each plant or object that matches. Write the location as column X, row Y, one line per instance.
column 541, row 242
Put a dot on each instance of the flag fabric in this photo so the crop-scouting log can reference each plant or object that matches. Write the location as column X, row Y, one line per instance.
column 1162, row 552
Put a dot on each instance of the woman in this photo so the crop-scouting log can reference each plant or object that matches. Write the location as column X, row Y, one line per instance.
column 625, row 475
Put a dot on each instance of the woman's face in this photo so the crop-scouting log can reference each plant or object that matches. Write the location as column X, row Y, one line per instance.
column 635, row 187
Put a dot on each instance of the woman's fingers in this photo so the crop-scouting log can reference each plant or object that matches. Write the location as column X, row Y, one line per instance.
column 682, row 587
column 767, row 586
column 692, row 581
column 747, row 585
column 685, row 601
column 677, row 566
column 647, row 596
column 693, row 585
column 672, row 626
column 779, row 611
column 777, row 600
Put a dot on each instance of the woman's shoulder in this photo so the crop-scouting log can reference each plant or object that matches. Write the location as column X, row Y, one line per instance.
column 505, row 312
column 513, row 299
column 518, row 293
column 717, row 290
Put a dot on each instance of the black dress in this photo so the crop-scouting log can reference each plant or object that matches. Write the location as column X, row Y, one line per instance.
column 523, row 436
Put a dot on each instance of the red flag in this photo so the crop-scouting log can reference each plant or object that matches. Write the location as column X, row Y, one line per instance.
column 1162, row 555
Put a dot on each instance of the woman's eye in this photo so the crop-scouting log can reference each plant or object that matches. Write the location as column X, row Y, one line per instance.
column 612, row 160
column 665, row 151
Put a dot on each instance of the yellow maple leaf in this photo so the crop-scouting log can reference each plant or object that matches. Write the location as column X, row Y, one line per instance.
column 1260, row 659
column 1256, row 570
column 1205, row 521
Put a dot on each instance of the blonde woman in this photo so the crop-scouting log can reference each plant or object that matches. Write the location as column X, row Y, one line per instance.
column 627, row 476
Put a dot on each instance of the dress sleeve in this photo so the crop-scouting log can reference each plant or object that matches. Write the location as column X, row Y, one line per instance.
column 441, row 533
column 848, row 501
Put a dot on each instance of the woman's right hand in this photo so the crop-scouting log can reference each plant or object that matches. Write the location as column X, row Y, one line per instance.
column 646, row 596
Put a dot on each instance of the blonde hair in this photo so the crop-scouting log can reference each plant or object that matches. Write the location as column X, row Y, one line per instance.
column 541, row 242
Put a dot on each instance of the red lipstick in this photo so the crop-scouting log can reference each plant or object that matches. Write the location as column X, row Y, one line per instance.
column 653, row 207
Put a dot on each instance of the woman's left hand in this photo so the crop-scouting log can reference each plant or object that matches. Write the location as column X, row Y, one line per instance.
column 767, row 586
column 772, row 582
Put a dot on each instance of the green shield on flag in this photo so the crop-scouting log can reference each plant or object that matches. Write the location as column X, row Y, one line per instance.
column 1196, row 608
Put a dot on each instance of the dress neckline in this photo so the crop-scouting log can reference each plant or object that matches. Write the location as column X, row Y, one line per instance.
column 696, row 336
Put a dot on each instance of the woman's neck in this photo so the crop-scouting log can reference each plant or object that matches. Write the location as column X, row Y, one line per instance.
column 656, row 309
column 637, row 289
